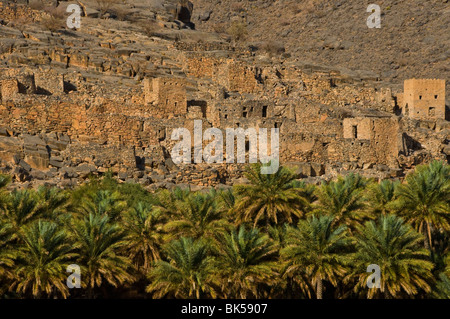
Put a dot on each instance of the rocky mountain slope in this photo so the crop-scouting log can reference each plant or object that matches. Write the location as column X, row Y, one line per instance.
column 413, row 41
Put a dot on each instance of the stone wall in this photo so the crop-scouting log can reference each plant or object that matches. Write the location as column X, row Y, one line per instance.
column 167, row 95
column 99, row 125
column 368, row 140
column 201, row 65
column 49, row 82
column 9, row 89
column 358, row 128
column 240, row 77
column 234, row 75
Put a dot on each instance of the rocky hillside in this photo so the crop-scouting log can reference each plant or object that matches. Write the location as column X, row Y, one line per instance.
column 413, row 41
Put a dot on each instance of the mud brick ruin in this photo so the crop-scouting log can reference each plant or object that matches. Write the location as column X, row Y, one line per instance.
column 424, row 99
column 75, row 106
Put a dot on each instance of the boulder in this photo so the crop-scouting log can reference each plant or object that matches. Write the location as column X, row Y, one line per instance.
column 38, row 160
column 4, row 131
column 84, row 170
column 204, row 15
column 37, row 174
column 33, row 140
column 123, row 175
column 196, row 188
column 157, row 178
column 170, row 164
column 68, row 172
column 317, row 169
column 24, row 165
column 56, row 161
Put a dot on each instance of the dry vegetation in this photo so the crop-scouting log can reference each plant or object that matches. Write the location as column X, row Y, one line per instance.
column 150, row 28
column 273, row 48
column 122, row 13
column 20, row 23
column 53, row 20
column 238, row 31
column 37, row 5
column 105, row 5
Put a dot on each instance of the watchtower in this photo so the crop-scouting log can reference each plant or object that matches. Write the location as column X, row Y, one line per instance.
column 424, row 98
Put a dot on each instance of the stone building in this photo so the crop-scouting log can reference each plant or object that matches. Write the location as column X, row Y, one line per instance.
column 370, row 140
column 168, row 95
column 424, row 99
column 239, row 77
column 49, row 82
column 9, row 88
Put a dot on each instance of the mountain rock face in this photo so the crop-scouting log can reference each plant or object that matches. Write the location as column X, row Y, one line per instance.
column 184, row 11
column 413, row 40
column 109, row 95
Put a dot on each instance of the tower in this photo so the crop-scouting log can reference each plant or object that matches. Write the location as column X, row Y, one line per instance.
column 424, row 98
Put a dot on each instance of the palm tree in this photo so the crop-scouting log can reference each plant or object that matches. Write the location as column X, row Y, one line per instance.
column 443, row 287
column 188, row 273
column 447, row 263
column 307, row 191
column 6, row 251
column 343, row 200
column 197, row 217
column 246, row 263
column 269, row 197
column 318, row 250
column 395, row 247
column 51, row 202
column 277, row 234
column 98, row 243
column 167, row 200
column 42, row 260
column 424, row 201
column 21, row 208
column 381, row 196
column 135, row 193
column 4, row 181
column 103, row 202
column 225, row 200
column 143, row 225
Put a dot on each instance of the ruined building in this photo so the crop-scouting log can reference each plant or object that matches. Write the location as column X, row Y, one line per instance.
column 424, row 99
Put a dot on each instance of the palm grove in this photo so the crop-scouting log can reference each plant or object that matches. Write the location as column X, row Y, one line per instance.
column 275, row 237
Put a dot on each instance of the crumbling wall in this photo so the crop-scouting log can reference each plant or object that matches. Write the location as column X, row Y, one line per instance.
column 232, row 110
column 230, row 73
column 49, row 82
column 358, row 128
column 9, row 89
column 367, row 140
column 237, row 76
column 201, row 65
column 168, row 96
